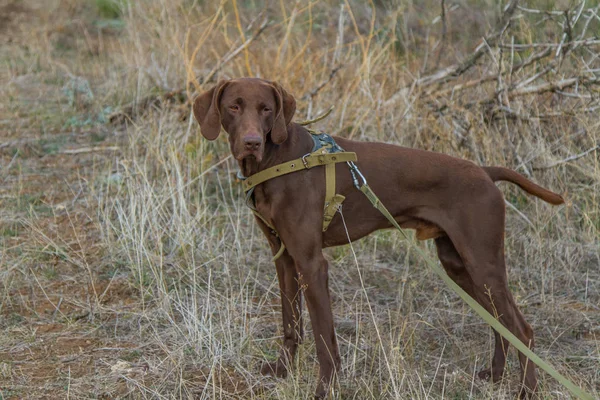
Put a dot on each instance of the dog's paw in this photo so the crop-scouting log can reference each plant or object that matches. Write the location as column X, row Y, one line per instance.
column 321, row 393
column 486, row 374
column 525, row 394
column 274, row 369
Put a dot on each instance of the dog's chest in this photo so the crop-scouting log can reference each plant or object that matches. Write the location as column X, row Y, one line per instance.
column 262, row 203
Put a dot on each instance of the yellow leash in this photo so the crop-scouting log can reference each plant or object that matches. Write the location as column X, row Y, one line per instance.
column 483, row 313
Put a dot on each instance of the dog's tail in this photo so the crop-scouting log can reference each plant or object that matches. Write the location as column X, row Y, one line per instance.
column 505, row 174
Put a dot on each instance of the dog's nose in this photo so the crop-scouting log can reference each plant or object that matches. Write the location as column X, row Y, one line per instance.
column 252, row 142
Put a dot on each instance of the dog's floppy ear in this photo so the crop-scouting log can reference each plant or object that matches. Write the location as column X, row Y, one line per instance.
column 206, row 111
column 286, row 107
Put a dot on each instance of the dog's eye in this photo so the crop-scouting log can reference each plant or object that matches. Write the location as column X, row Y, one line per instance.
column 266, row 110
column 234, row 107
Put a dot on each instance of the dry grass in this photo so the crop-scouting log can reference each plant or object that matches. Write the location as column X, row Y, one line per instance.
column 139, row 273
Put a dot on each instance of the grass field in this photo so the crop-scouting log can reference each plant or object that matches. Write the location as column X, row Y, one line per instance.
column 130, row 267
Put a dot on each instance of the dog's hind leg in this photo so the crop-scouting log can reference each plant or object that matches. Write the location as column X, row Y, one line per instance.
column 478, row 238
column 491, row 288
column 455, row 268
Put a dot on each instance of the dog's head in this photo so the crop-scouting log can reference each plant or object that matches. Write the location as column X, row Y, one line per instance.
column 252, row 111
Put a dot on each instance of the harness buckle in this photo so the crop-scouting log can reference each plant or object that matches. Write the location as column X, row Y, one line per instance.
column 304, row 160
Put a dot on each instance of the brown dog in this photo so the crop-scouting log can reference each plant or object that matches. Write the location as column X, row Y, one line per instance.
column 444, row 198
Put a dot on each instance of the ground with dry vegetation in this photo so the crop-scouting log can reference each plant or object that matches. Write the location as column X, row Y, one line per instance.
column 130, row 268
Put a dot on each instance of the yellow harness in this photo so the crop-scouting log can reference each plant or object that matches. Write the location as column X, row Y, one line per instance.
column 326, row 152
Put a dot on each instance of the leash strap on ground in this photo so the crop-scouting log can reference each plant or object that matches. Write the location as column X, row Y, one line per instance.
column 483, row 313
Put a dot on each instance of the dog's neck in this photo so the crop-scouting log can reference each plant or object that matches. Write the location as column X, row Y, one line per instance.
column 298, row 143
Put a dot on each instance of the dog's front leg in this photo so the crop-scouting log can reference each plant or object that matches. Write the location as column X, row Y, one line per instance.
column 312, row 271
column 299, row 224
column 291, row 309
column 291, row 312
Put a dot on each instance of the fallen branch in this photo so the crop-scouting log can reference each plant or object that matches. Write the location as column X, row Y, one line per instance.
column 82, row 150
column 466, row 85
column 586, row 42
column 568, row 159
column 516, row 115
column 532, row 59
column 552, row 86
column 538, row 89
column 492, row 77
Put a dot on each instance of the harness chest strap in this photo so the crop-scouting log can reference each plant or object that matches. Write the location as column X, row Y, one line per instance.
column 332, row 200
column 306, row 162
column 317, row 158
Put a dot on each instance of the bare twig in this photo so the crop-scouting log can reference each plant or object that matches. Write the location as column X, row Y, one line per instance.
column 552, row 86
column 590, row 17
column 310, row 95
column 228, row 57
column 469, row 84
column 444, row 33
column 515, row 209
column 527, row 46
column 90, row 149
column 568, row 159
column 531, row 79
column 316, row 90
column 535, row 57
column 534, row 11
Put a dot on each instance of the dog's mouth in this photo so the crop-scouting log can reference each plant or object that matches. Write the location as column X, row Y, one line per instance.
column 249, row 164
column 255, row 156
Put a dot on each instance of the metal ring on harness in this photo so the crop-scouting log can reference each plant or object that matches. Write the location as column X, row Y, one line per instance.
column 304, row 160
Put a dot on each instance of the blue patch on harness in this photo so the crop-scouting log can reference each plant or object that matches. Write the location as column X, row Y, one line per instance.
column 324, row 140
